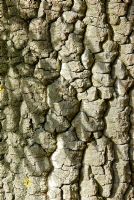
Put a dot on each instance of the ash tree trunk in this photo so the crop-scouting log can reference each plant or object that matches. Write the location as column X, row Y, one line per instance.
column 66, row 100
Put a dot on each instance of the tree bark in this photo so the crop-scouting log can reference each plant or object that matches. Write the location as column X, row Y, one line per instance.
column 66, row 100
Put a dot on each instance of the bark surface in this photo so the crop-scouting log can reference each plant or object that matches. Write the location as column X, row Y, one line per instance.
column 66, row 99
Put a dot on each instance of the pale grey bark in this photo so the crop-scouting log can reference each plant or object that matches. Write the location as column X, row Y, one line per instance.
column 66, row 100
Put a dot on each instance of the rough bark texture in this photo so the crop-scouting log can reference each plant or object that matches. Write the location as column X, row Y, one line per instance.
column 66, row 100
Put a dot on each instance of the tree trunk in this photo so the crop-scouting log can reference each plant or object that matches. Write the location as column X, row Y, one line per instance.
column 66, row 100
